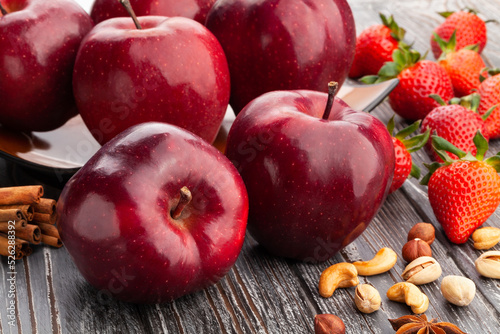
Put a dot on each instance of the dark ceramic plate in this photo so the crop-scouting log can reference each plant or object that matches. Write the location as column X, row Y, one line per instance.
column 67, row 148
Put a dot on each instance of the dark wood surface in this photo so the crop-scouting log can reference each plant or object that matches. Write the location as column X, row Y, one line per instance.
column 264, row 294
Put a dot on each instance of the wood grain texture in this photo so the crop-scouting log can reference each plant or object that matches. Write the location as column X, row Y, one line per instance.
column 264, row 294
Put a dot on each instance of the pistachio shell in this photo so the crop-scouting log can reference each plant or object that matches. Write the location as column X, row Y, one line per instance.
column 458, row 290
column 488, row 264
column 422, row 270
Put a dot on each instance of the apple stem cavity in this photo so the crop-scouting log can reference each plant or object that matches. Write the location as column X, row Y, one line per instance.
column 184, row 199
column 3, row 10
column 332, row 90
column 128, row 7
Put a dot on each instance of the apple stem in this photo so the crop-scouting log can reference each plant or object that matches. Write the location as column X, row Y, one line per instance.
column 184, row 199
column 332, row 90
column 3, row 10
column 128, row 7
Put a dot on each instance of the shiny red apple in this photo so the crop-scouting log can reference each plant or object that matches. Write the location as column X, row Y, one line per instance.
column 192, row 9
column 314, row 180
column 171, row 70
column 155, row 214
column 39, row 40
column 283, row 44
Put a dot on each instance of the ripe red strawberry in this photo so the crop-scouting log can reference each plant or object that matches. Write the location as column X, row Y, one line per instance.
column 464, row 66
column 489, row 90
column 463, row 193
column 471, row 30
column 417, row 80
column 374, row 47
column 402, row 149
column 457, row 123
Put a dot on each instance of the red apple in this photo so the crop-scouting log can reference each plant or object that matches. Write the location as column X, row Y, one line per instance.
column 132, row 235
column 172, row 70
column 283, row 45
column 192, row 9
column 314, row 180
column 38, row 44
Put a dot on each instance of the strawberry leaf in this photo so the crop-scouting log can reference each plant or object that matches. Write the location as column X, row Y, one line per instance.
column 408, row 130
column 432, row 168
column 488, row 112
column 390, row 125
column 441, row 146
column 417, row 142
column 369, row 79
column 438, row 99
column 415, row 171
column 445, row 14
column 446, row 46
column 481, row 145
column 494, row 161
column 396, row 32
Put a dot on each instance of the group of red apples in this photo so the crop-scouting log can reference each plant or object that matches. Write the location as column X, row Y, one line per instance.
column 158, row 204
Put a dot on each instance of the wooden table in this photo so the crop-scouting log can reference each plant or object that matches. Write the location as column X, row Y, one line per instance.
column 264, row 294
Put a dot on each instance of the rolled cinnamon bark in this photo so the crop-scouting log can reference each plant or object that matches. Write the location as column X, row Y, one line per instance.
column 6, row 247
column 49, row 230
column 46, row 205
column 6, row 226
column 51, row 241
column 20, row 195
column 44, row 218
column 11, row 214
column 26, row 210
column 30, row 233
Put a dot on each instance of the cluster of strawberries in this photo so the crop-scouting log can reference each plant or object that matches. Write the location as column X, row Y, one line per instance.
column 455, row 100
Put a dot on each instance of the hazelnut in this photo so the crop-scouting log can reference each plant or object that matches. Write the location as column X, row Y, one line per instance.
column 328, row 323
column 422, row 231
column 416, row 248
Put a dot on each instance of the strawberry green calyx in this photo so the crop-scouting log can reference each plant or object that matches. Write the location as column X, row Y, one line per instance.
column 442, row 147
column 466, row 9
column 412, row 144
column 397, row 32
column 403, row 57
column 470, row 102
column 490, row 71
column 451, row 45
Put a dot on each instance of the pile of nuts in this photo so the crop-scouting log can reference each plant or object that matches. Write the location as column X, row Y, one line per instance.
column 421, row 269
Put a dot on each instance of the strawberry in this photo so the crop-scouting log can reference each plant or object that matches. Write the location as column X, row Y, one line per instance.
column 417, row 80
column 402, row 149
column 464, row 66
column 374, row 47
column 489, row 89
column 471, row 30
column 457, row 122
column 463, row 193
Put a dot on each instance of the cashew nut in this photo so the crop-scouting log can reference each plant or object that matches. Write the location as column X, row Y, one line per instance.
column 409, row 294
column 383, row 261
column 340, row 275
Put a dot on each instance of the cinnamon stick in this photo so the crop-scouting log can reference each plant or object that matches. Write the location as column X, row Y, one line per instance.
column 44, row 218
column 49, row 230
column 11, row 214
column 26, row 209
column 8, row 249
column 23, row 246
column 7, row 226
column 20, row 195
column 46, row 205
column 30, row 233
column 51, row 241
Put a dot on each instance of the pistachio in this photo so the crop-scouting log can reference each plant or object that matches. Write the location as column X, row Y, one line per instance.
column 458, row 290
column 488, row 264
column 422, row 270
column 367, row 298
column 486, row 237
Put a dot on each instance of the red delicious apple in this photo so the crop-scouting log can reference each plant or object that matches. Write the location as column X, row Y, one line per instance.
column 172, row 70
column 38, row 44
column 192, row 9
column 314, row 180
column 134, row 230
column 283, row 44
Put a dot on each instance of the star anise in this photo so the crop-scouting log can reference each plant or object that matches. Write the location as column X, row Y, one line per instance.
column 414, row 324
